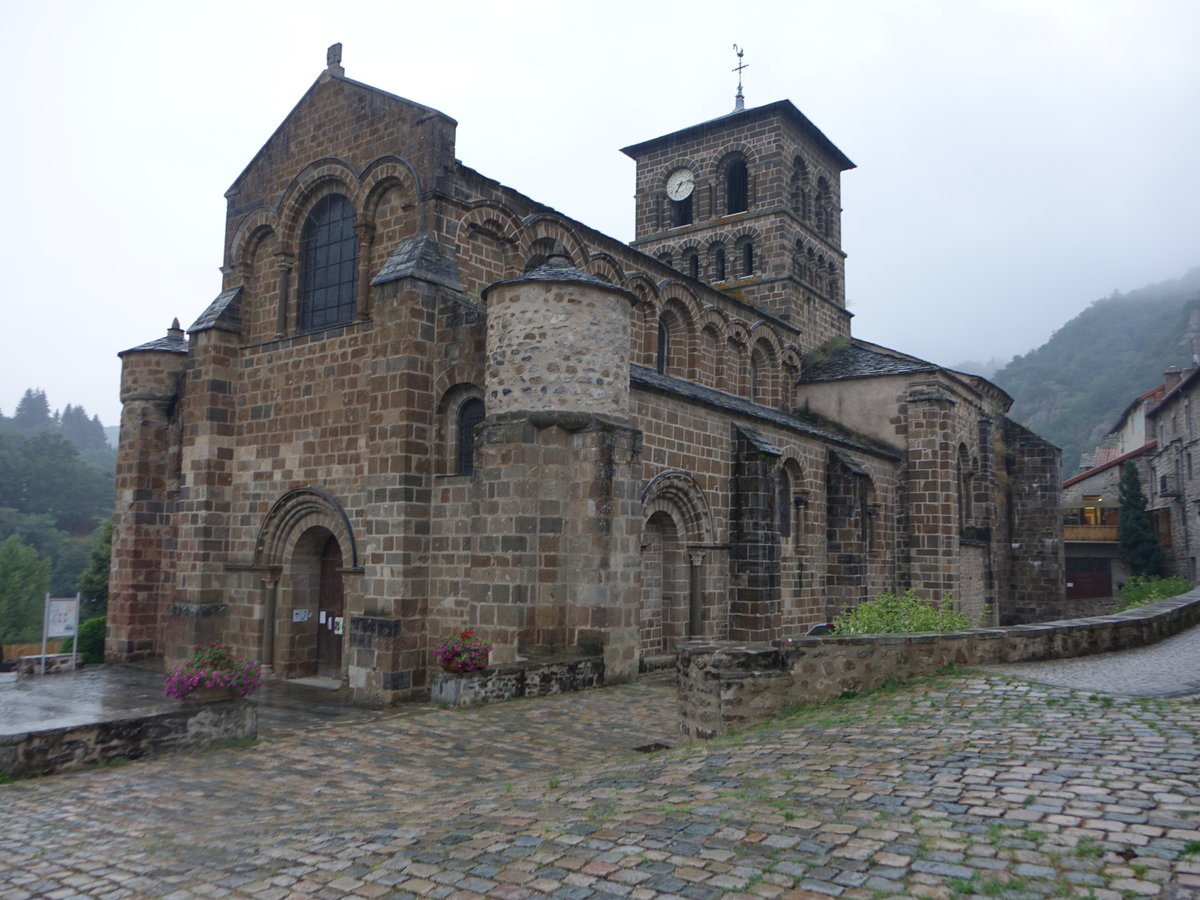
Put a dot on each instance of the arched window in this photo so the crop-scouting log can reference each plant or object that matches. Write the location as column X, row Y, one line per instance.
column 800, row 187
column 664, row 347
column 966, row 487
column 719, row 264
column 783, row 503
column 470, row 414
column 328, row 264
column 692, row 260
column 824, row 208
column 736, row 193
column 681, row 211
column 747, row 259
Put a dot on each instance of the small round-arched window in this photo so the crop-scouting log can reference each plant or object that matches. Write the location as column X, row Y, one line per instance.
column 470, row 414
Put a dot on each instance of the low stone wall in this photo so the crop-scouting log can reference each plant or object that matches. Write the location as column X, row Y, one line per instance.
column 55, row 662
column 52, row 750
column 725, row 685
column 526, row 679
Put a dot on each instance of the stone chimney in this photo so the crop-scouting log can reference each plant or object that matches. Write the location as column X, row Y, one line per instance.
column 1171, row 379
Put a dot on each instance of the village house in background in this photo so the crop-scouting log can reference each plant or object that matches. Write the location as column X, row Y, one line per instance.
column 1173, row 488
column 1095, row 567
column 1157, row 433
column 423, row 402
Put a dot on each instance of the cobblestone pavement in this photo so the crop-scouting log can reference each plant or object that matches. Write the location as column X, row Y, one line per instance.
column 1170, row 668
column 963, row 786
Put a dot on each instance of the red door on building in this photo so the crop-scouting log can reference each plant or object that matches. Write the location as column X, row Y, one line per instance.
column 1089, row 578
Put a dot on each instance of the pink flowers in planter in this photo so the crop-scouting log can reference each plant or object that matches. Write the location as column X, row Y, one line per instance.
column 463, row 653
column 213, row 666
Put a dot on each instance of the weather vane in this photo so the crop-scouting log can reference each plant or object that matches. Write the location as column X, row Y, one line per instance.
column 740, row 102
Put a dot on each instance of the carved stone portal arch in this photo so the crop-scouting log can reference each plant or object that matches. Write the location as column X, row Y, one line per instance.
column 677, row 518
column 305, row 546
column 294, row 513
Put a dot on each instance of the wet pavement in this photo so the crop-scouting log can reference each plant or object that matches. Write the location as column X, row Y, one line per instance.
column 108, row 693
column 963, row 786
column 1170, row 668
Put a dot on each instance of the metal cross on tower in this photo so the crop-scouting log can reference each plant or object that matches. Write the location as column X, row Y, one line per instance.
column 740, row 101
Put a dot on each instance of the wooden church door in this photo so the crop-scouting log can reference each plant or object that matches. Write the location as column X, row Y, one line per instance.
column 331, row 614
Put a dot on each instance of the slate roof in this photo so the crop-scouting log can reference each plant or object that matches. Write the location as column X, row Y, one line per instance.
column 783, row 108
column 559, row 271
column 174, row 342
column 224, row 313
column 420, row 256
column 857, row 361
column 646, row 377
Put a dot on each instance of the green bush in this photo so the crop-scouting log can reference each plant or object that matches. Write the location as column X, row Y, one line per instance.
column 91, row 640
column 904, row 614
column 1142, row 589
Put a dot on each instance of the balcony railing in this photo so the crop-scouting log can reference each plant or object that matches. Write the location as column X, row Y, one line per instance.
column 1089, row 532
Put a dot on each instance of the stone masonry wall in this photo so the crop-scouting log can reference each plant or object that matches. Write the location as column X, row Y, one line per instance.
column 36, row 753
column 1034, row 565
column 726, row 686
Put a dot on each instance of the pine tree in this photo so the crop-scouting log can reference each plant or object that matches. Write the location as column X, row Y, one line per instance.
column 33, row 413
column 1139, row 545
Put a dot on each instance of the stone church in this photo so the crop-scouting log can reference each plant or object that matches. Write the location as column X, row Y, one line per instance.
column 423, row 402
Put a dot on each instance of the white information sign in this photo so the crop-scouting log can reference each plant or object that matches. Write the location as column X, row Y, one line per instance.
column 61, row 620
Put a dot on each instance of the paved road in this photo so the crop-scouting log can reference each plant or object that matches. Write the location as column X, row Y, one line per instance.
column 1170, row 668
column 969, row 786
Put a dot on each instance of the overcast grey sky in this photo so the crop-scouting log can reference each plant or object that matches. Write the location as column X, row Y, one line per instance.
column 1017, row 159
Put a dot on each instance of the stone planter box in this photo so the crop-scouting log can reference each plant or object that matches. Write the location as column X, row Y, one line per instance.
column 526, row 679
column 725, row 685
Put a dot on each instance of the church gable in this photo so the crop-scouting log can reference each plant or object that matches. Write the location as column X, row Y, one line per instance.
column 354, row 123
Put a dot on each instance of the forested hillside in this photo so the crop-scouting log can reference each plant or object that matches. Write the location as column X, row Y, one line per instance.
column 56, row 494
column 1072, row 388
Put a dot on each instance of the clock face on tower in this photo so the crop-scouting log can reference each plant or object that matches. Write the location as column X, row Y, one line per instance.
column 680, row 184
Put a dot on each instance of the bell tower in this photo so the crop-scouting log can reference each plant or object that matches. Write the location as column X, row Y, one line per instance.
column 749, row 203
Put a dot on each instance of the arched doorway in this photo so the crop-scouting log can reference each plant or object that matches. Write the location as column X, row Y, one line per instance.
column 314, row 607
column 306, row 548
column 680, row 590
column 664, row 586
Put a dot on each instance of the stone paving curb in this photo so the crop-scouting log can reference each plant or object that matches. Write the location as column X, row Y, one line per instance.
column 959, row 787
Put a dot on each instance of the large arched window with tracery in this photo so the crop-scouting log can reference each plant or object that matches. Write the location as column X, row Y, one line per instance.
column 328, row 264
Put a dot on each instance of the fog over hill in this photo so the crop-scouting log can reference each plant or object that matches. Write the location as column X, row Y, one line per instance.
column 1071, row 389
